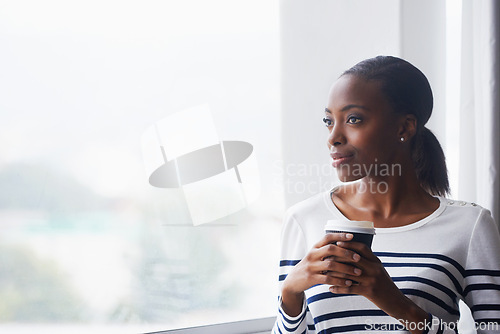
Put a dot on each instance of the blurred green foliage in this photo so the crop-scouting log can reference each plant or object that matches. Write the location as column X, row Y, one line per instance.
column 34, row 290
column 175, row 268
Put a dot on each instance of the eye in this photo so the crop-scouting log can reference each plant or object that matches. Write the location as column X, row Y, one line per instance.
column 327, row 121
column 353, row 120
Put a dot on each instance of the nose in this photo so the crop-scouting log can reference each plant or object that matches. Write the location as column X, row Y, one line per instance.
column 336, row 136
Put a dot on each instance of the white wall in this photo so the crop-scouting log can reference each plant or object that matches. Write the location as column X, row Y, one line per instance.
column 320, row 39
column 423, row 43
column 323, row 38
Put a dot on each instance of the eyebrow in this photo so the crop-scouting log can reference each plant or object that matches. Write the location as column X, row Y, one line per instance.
column 347, row 107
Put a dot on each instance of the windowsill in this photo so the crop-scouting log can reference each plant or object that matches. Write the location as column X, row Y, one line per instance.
column 254, row 326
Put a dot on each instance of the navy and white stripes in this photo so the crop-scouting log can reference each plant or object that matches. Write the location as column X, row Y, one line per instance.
column 452, row 255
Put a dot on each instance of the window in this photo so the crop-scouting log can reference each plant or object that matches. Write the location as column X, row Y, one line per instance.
column 86, row 239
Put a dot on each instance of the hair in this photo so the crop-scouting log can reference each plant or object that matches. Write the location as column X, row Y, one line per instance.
column 409, row 92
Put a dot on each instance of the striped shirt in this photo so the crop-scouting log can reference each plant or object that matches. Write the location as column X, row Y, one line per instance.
column 451, row 255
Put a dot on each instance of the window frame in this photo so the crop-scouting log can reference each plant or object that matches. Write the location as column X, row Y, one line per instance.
column 253, row 326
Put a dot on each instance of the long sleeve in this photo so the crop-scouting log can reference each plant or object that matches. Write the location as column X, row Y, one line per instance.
column 482, row 275
column 293, row 249
column 452, row 254
column 481, row 280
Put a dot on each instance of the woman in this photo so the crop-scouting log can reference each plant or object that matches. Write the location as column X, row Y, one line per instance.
column 428, row 252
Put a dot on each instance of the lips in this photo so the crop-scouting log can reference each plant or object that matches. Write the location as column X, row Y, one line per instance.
column 340, row 158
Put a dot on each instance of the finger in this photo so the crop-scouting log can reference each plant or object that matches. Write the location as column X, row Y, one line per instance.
column 330, row 238
column 335, row 281
column 353, row 289
column 355, row 278
column 369, row 263
column 359, row 248
column 338, row 269
column 338, row 253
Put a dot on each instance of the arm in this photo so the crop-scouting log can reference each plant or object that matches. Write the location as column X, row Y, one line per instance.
column 293, row 249
column 376, row 285
column 482, row 275
column 300, row 269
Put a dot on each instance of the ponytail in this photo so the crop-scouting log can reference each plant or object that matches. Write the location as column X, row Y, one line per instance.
column 409, row 92
column 429, row 161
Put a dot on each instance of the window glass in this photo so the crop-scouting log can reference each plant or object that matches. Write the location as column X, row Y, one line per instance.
column 86, row 238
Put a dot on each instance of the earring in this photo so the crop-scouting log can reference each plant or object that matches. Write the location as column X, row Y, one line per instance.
column 402, row 139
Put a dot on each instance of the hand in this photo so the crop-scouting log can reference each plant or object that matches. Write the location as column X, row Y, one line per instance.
column 326, row 263
column 375, row 284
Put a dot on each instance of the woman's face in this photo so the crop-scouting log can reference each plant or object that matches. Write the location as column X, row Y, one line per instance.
column 364, row 131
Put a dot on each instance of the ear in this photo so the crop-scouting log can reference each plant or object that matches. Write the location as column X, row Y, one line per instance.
column 408, row 127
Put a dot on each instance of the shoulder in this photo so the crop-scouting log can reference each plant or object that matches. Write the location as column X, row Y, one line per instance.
column 308, row 217
column 311, row 206
column 302, row 226
column 464, row 207
column 461, row 204
column 471, row 214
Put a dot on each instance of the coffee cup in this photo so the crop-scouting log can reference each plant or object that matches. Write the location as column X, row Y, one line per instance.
column 362, row 231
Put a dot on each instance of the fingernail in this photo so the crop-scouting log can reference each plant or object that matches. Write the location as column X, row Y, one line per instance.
column 348, row 283
column 356, row 257
column 340, row 243
column 349, row 235
column 357, row 271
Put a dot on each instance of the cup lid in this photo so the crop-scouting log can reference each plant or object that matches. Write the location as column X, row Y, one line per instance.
column 350, row 225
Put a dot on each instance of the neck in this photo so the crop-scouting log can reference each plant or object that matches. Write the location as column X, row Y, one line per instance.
column 388, row 195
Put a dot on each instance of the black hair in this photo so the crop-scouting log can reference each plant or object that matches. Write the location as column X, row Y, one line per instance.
column 409, row 92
